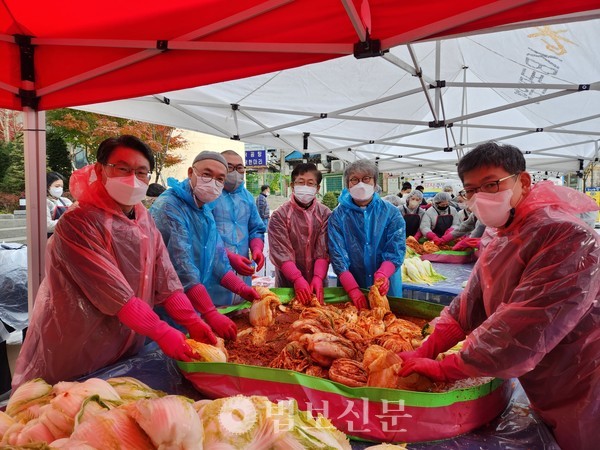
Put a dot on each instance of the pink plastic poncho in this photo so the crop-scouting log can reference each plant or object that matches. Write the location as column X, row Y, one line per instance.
column 96, row 261
column 299, row 235
column 531, row 308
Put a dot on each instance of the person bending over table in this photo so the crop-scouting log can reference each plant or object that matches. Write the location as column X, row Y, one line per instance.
column 531, row 307
column 106, row 268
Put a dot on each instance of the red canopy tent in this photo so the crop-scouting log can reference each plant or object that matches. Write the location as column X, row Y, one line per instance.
column 69, row 53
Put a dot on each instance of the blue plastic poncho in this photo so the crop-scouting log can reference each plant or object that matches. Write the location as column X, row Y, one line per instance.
column 238, row 223
column 96, row 261
column 191, row 236
column 531, row 310
column 360, row 239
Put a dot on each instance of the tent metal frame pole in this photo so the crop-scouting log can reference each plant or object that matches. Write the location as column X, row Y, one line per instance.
column 149, row 53
column 34, row 130
column 355, row 19
column 423, row 85
column 485, row 112
column 569, row 87
column 260, row 124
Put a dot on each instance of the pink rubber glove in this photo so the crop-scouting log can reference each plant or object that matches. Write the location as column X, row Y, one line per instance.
column 447, row 334
column 447, row 370
column 241, row 265
column 466, row 243
column 434, row 238
column 301, row 286
column 256, row 247
column 319, row 274
column 234, row 284
column 418, row 235
column 351, row 287
column 447, row 237
column 178, row 306
column 222, row 325
column 385, row 271
column 138, row 316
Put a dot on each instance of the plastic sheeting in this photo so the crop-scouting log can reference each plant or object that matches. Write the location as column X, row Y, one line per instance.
column 13, row 285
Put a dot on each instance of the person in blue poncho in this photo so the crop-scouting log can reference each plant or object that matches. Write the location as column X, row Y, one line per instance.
column 240, row 227
column 195, row 247
column 367, row 236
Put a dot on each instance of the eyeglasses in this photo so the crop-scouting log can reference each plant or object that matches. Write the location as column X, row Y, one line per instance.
column 491, row 187
column 206, row 178
column 239, row 168
column 120, row 170
column 353, row 181
column 309, row 183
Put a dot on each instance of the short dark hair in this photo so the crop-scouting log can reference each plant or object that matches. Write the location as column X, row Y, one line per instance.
column 492, row 154
column 155, row 189
column 107, row 146
column 406, row 185
column 264, row 187
column 420, row 188
column 303, row 168
column 51, row 177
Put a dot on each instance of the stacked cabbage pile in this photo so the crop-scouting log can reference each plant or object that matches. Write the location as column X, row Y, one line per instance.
column 416, row 270
column 124, row 413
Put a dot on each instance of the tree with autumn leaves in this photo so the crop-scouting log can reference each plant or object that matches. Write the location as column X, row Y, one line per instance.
column 85, row 131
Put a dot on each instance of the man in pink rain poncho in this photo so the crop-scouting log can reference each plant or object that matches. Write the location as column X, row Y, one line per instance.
column 530, row 309
column 106, row 267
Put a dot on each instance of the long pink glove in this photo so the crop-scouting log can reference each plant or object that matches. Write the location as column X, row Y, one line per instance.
column 351, row 287
column 433, row 237
column 222, row 325
column 301, row 286
column 447, row 370
column 257, row 246
column 447, row 237
column 241, row 265
column 319, row 274
column 385, row 271
column 138, row 316
column 234, row 284
column 418, row 235
column 466, row 243
column 447, row 334
column 178, row 306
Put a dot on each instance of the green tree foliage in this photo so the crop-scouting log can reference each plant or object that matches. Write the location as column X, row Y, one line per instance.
column 58, row 158
column 84, row 130
column 331, row 200
column 4, row 158
column 14, row 177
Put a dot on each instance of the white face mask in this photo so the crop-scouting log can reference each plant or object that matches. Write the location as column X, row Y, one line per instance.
column 56, row 192
column 362, row 192
column 492, row 209
column 413, row 204
column 233, row 180
column 126, row 191
column 305, row 194
column 206, row 192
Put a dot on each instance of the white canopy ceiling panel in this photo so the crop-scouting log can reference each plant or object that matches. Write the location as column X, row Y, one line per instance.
column 536, row 88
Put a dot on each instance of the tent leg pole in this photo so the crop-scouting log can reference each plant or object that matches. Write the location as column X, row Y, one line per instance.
column 35, row 191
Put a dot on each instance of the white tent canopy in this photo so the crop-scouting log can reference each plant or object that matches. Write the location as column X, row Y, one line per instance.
column 536, row 88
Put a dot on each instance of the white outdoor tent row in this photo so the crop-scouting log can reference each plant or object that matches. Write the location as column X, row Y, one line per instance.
column 415, row 109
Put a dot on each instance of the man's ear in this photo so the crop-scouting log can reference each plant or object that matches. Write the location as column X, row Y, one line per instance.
column 525, row 178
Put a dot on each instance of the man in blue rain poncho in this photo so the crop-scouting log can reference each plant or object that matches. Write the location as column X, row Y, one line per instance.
column 530, row 309
column 195, row 247
column 367, row 236
column 240, row 227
